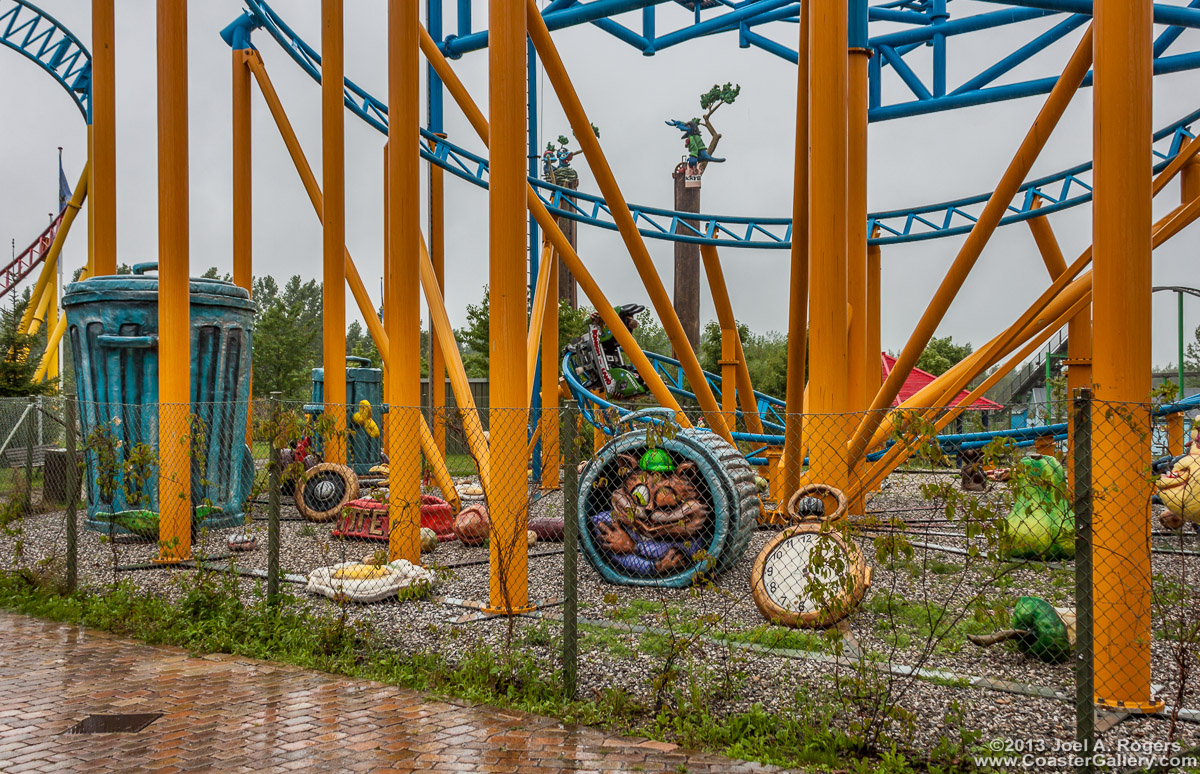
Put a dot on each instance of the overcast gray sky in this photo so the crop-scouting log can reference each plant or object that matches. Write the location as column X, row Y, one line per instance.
column 628, row 96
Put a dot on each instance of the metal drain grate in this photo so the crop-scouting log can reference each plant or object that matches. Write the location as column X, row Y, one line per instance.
column 113, row 724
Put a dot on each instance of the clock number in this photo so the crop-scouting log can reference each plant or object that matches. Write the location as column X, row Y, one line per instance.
column 771, row 587
column 770, row 569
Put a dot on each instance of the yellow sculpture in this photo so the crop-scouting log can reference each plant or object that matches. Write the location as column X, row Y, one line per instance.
column 362, row 418
column 1179, row 489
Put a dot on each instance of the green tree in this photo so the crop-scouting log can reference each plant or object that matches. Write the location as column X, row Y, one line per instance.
column 473, row 340
column 287, row 336
column 649, row 335
column 572, row 323
column 283, row 358
column 766, row 357
column 20, row 354
column 1191, row 359
column 942, row 354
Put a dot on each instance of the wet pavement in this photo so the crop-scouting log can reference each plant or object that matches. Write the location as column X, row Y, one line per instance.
column 230, row 714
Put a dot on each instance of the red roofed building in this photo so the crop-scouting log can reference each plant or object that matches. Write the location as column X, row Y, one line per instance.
column 919, row 379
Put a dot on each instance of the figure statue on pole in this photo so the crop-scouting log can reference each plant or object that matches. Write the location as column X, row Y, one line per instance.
column 556, row 162
column 700, row 154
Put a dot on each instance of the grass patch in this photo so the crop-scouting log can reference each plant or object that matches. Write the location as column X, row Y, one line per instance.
column 636, row 610
column 902, row 621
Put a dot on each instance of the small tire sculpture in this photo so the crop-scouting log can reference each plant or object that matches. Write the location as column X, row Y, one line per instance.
column 698, row 508
column 325, row 491
column 801, row 506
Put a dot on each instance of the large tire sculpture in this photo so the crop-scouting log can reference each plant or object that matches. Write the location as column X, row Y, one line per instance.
column 326, row 489
column 727, row 484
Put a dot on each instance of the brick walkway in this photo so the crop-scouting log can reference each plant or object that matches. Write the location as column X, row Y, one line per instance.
column 224, row 713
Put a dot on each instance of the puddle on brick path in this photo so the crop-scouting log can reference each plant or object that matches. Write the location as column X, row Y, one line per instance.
column 113, row 724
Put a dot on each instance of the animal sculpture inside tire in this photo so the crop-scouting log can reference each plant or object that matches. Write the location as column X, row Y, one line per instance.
column 661, row 513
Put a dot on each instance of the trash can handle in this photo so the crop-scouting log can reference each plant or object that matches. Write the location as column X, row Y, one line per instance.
column 360, row 360
column 126, row 342
column 142, row 268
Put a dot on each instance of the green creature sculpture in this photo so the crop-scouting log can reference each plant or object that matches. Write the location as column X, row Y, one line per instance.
column 1041, row 524
column 1040, row 629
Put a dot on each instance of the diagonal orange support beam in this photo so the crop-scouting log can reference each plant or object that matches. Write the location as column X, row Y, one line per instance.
column 720, row 294
column 581, row 125
column 1035, row 140
column 537, row 317
column 896, row 455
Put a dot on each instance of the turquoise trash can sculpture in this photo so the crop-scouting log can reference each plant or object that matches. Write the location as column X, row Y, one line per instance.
column 112, row 327
column 362, row 383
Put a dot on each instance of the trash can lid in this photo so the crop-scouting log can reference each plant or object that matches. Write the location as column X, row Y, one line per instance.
column 139, row 287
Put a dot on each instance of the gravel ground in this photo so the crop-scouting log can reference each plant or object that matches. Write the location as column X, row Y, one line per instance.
column 614, row 657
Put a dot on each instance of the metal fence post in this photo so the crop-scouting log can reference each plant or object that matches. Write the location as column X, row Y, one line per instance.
column 29, row 439
column 274, row 484
column 72, row 493
column 570, row 550
column 1085, row 710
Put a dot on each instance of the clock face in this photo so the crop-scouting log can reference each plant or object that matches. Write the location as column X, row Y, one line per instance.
column 792, row 583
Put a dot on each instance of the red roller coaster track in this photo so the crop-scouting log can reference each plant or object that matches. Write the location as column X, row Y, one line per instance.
column 29, row 258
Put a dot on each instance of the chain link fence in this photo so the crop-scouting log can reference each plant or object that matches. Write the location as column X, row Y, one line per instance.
column 1015, row 599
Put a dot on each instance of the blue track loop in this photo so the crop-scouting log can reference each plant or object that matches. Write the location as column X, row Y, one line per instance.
column 33, row 33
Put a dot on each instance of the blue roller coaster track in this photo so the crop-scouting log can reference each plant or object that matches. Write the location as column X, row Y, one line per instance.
column 1059, row 191
column 924, row 23
column 33, row 33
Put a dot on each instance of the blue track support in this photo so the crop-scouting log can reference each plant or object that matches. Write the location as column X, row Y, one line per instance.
column 1024, row 53
column 37, row 35
column 464, row 18
column 436, row 92
column 1163, row 14
column 576, row 13
column 534, row 253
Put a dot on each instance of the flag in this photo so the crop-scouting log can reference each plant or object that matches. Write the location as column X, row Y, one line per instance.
column 64, row 188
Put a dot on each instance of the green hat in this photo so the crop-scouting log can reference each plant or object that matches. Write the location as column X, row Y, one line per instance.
column 656, row 461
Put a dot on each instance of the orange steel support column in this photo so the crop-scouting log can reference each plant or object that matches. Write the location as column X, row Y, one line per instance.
column 826, row 426
column 333, row 184
column 874, row 370
column 787, row 474
column 174, row 316
column 402, row 304
column 437, row 254
column 103, row 136
column 243, row 210
column 243, row 266
column 1121, row 296
column 551, row 453
column 508, row 392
